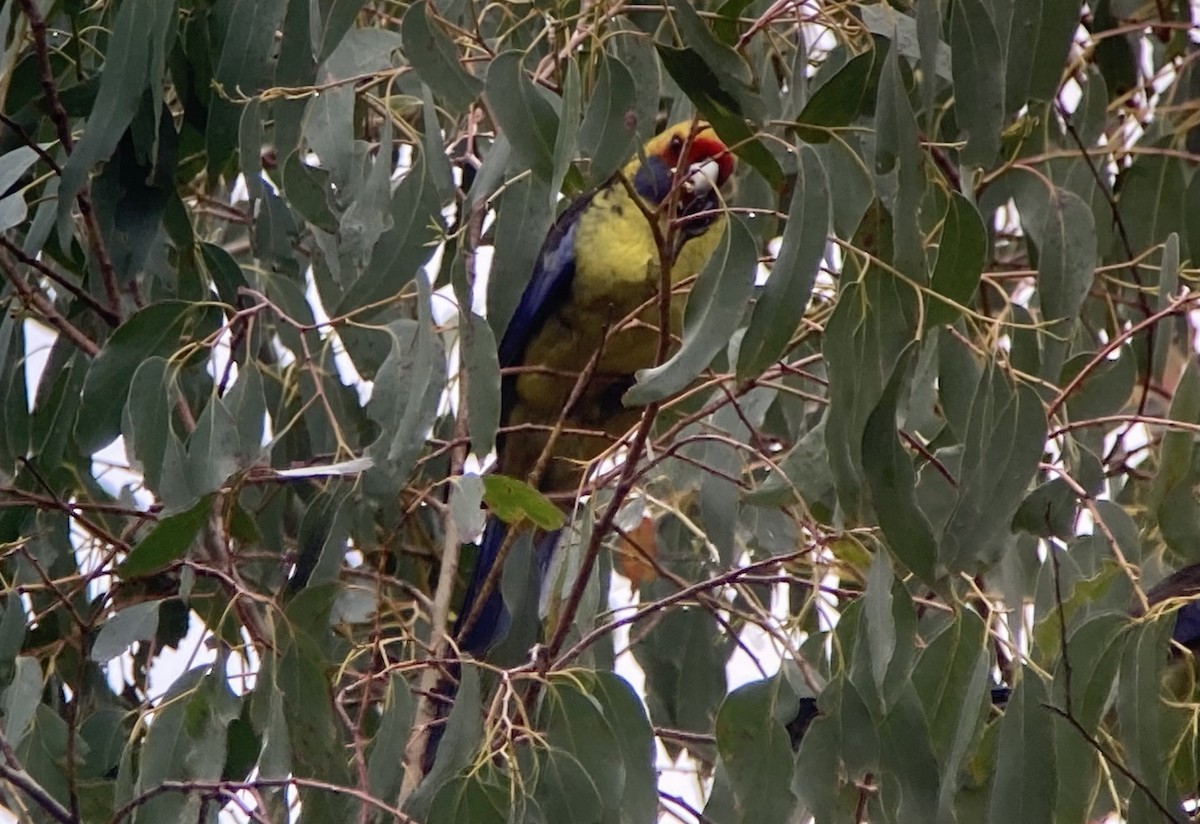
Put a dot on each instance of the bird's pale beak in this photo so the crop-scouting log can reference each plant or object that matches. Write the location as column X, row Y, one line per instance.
column 703, row 177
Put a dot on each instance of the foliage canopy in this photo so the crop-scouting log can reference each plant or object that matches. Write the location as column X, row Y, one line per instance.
column 947, row 444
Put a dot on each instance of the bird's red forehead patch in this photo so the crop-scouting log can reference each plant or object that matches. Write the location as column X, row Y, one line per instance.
column 707, row 146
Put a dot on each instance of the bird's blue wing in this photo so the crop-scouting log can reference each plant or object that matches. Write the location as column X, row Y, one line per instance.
column 1187, row 625
column 548, row 287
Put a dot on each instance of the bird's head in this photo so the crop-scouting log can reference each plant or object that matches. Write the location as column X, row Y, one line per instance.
column 694, row 158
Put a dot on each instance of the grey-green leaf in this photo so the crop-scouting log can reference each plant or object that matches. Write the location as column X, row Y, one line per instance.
column 978, row 70
column 715, row 306
column 781, row 306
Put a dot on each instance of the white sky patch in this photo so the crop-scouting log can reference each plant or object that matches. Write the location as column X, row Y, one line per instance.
column 38, row 341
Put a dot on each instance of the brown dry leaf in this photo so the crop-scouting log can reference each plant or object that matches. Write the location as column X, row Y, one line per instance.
column 636, row 553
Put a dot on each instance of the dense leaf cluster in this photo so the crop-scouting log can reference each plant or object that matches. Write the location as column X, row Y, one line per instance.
column 930, row 429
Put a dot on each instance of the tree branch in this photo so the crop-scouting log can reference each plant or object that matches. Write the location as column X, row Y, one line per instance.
column 35, row 300
column 12, row 772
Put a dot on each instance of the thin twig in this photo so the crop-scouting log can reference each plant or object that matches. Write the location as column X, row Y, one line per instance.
column 12, row 772
column 62, row 126
column 219, row 787
column 110, row 317
column 58, row 114
column 35, row 300
column 1113, row 761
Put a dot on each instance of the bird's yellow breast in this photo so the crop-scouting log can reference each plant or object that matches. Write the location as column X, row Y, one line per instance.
column 617, row 270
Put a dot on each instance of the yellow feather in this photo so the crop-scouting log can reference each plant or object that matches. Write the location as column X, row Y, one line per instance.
column 616, row 271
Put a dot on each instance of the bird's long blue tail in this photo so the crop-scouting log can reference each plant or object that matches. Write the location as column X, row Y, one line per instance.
column 490, row 626
column 493, row 620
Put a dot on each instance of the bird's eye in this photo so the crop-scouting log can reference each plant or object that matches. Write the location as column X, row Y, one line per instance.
column 675, row 146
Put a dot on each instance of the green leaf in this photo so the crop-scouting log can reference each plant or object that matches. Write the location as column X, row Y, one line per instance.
column 1026, row 780
column 1067, row 259
column 166, row 752
column 247, row 405
column 802, row 475
column 1168, row 286
column 1055, row 34
column 781, row 306
column 609, row 132
column 626, row 716
column 524, row 218
column 480, row 797
column 212, row 449
column 892, row 479
column 978, row 71
column 385, row 760
column 755, row 752
column 1148, row 724
column 308, row 192
column 883, row 653
column 167, row 542
column 908, row 769
column 407, row 390
column 514, row 501
column 636, row 51
column 103, row 735
column 404, row 248
column 44, row 753
column 135, row 623
column 1095, row 651
column 456, row 750
column 897, row 145
column 435, row 58
column 579, row 773
column 275, row 758
column 21, row 699
column 872, row 323
column 366, row 217
column 714, row 308
column 245, row 31
column 683, row 655
column 722, row 60
column 136, row 54
column 841, row 745
column 1003, row 444
column 160, row 329
column 224, row 270
column 12, row 166
column 1105, row 389
column 146, row 419
column 526, row 117
column 298, row 670
column 1191, row 231
column 951, row 679
column 841, row 98
column 886, row 21
column 844, row 163
column 466, row 505
column 1152, row 200
column 1175, row 456
column 877, row 615
column 962, row 250
column 328, row 128
column 568, row 127
column 482, row 364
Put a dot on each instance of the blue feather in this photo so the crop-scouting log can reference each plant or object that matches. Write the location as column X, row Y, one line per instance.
column 548, row 289
column 494, row 619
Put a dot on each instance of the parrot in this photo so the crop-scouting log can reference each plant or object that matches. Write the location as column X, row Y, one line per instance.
column 599, row 263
